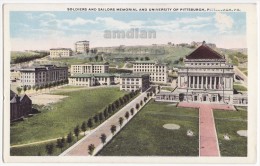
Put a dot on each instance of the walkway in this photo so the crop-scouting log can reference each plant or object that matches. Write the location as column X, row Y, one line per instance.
column 208, row 141
column 81, row 147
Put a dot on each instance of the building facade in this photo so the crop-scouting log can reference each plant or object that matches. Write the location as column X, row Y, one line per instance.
column 82, row 46
column 60, row 52
column 20, row 106
column 205, row 77
column 43, row 75
column 90, row 68
column 89, row 80
column 135, row 81
column 157, row 71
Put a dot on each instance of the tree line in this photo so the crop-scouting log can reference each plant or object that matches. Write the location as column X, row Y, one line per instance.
column 96, row 120
column 26, row 58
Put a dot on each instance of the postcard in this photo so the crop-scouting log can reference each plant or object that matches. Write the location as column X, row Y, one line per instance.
column 131, row 83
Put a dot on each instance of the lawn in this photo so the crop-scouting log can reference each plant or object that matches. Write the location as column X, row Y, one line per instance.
column 145, row 135
column 39, row 149
column 239, row 87
column 64, row 115
column 229, row 122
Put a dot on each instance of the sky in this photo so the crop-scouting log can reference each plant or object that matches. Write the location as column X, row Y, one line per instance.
column 45, row 30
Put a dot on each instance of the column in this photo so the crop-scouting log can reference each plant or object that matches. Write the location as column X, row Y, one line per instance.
column 189, row 81
column 210, row 82
column 179, row 81
column 197, row 82
column 224, row 83
column 215, row 82
column 202, row 82
column 193, row 83
column 206, row 82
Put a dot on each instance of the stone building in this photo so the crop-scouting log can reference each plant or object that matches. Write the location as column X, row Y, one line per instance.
column 90, row 68
column 82, row 46
column 157, row 71
column 92, row 79
column 205, row 77
column 135, row 81
column 60, row 52
column 20, row 106
column 43, row 75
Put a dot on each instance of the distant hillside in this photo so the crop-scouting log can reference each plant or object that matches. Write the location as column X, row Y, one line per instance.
column 19, row 56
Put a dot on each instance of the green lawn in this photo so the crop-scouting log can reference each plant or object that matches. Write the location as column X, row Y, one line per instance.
column 39, row 149
column 145, row 135
column 229, row 122
column 64, row 115
column 239, row 87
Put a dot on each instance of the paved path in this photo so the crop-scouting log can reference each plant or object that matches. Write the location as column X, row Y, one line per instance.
column 208, row 141
column 81, row 147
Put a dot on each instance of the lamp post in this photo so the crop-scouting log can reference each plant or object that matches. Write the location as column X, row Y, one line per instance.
column 223, row 85
column 187, row 84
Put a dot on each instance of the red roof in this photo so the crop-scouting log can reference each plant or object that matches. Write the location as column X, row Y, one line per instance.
column 204, row 52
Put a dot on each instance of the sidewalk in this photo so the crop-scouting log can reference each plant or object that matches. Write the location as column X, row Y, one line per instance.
column 81, row 147
column 208, row 141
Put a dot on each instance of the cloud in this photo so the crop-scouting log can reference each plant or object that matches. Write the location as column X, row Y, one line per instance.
column 223, row 22
column 188, row 20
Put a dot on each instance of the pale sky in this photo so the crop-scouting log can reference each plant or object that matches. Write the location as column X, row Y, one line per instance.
column 45, row 30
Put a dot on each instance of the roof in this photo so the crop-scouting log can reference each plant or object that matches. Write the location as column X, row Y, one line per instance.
column 204, row 52
column 92, row 75
column 60, row 49
column 133, row 75
column 149, row 62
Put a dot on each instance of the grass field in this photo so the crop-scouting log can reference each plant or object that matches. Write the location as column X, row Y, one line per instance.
column 239, row 87
column 64, row 115
column 145, row 135
column 229, row 122
column 39, row 149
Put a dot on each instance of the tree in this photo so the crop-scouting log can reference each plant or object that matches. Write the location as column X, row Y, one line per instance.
column 69, row 138
column 141, row 59
column 29, row 87
column 96, row 118
column 113, row 129
column 132, row 111
column 109, row 109
column 90, row 59
column 127, row 115
column 60, row 143
column 105, row 113
column 103, row 138
column 91, row 149
column 147, row 58
column 24, row 88
column 49, row 148
column 96, row 57
column 76, row 131
column 19, row 90
column 101, row 117
column 148, row 95
column 121, row 120
column 84, row 127
column 141, row 102
column 137, row 106
column 90, row 123
column 145, row 99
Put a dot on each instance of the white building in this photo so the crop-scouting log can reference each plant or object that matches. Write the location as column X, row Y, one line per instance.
column 91, row 79
column 158, row 71
column 135, row 81
column 60, row 52
column 82, row 46
column 43, row 75
column 205, row 77
column 90, row 68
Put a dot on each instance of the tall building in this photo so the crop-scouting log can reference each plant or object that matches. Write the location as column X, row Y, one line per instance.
column 205, row 77
column 43, row 75
column 60, row 52
column 82, row 46
column 157, row 71
column 90, row 68
column 135, row 81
